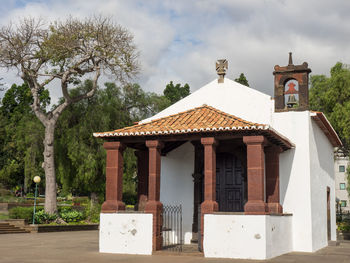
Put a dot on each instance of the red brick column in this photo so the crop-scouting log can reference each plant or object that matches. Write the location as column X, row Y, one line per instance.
column 142, row 179
column 255, row 171
column 273, row 179
column 153, row 204
column 114, row 178
column 209, row 205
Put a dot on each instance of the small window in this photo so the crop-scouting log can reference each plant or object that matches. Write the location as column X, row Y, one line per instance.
column 342, row 168
column 343, row 203
column 342, row 186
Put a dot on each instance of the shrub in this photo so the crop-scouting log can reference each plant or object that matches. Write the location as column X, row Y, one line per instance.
column 23, row 213
column 5, row 192
column 41, row 217
column 92, row 212
column 30, row 195
column 79, row 200
column 64, row 209
column 11, row 199
column 72, row 216
column 129, row 198
column 345, row 226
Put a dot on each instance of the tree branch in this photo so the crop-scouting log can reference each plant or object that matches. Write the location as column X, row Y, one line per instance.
column 34, row 88
column 91, row 92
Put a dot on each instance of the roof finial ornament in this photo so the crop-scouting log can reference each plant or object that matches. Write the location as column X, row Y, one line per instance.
column 221, row 67
column 290, row 62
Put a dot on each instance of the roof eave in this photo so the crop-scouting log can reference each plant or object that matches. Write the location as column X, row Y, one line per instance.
column 327, row 128
column 284, row 142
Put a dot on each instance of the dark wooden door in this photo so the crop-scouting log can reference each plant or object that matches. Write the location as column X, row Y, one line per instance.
column 229, row 183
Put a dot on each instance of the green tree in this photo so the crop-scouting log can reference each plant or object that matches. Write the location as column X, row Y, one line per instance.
column 331, row 95
column 141, row 104
column 176, row 92
column 64, row 51
column 80, row 157
column 157, row 103
column 21, row 137
column 348, row 179
column 242, row 79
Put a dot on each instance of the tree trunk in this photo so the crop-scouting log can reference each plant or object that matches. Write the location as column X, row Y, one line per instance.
column 25, row 184
column 49, row 167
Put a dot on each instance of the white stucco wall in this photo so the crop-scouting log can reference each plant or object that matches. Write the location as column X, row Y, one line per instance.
column 295, row 182
column 322, row 176
column 305, row 173
column 176, row 185
column 126, row 233
column 247, row 236
column 279, row 235
column 230, row 97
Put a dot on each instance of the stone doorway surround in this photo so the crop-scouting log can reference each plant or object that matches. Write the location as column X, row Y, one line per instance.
column 154, row 139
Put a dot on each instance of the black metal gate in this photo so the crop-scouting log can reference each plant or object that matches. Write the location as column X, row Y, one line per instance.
column 172, row 228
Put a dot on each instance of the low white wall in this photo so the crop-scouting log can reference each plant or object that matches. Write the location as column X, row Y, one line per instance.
column 126, row 233
column 279, row 235
column 176, row 184
column 247, row 236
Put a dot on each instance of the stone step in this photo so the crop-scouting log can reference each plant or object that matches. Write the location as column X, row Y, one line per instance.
column 192, row 248
column 13, row 232
column 9, row 228
column 6, row 228
column 12, row 229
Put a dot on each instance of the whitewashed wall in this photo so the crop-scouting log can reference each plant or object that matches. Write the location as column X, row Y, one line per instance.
column 279, row 235
column 295, row 181
column 176, row 186
column 247, row 236
column 322, row 176
column 230, row 97
column 126, row 233
column 305, row 173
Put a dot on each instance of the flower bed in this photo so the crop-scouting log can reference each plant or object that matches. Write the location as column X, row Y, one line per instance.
column 344, row 230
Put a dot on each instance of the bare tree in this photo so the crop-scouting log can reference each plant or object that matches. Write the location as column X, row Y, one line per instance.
column 64, row 51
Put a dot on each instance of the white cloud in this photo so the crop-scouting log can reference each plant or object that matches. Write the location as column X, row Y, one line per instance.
column 180, row 40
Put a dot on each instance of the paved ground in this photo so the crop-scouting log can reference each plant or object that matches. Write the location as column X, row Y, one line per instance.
column 82, row 246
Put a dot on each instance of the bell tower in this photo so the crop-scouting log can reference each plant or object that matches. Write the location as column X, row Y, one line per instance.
column 292, row 86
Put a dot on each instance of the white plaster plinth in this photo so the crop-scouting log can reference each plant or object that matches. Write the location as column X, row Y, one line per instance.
column 126, row 233
column 247, row 236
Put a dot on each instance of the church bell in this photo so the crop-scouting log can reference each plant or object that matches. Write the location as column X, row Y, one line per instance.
column 291, row 101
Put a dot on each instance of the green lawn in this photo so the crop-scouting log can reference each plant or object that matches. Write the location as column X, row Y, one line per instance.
column 3, row 216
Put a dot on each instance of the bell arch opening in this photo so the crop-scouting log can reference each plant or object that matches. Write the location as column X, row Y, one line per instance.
column 291, row 93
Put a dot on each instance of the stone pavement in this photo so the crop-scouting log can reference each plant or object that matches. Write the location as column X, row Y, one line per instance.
column 82, row 246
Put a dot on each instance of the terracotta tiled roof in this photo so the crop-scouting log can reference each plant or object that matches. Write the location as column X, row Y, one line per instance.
column 204, row 118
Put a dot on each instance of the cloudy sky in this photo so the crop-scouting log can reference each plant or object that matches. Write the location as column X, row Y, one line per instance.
column 181, row 40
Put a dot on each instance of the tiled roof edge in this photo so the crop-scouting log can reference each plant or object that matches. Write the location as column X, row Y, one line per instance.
column 113, row 134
